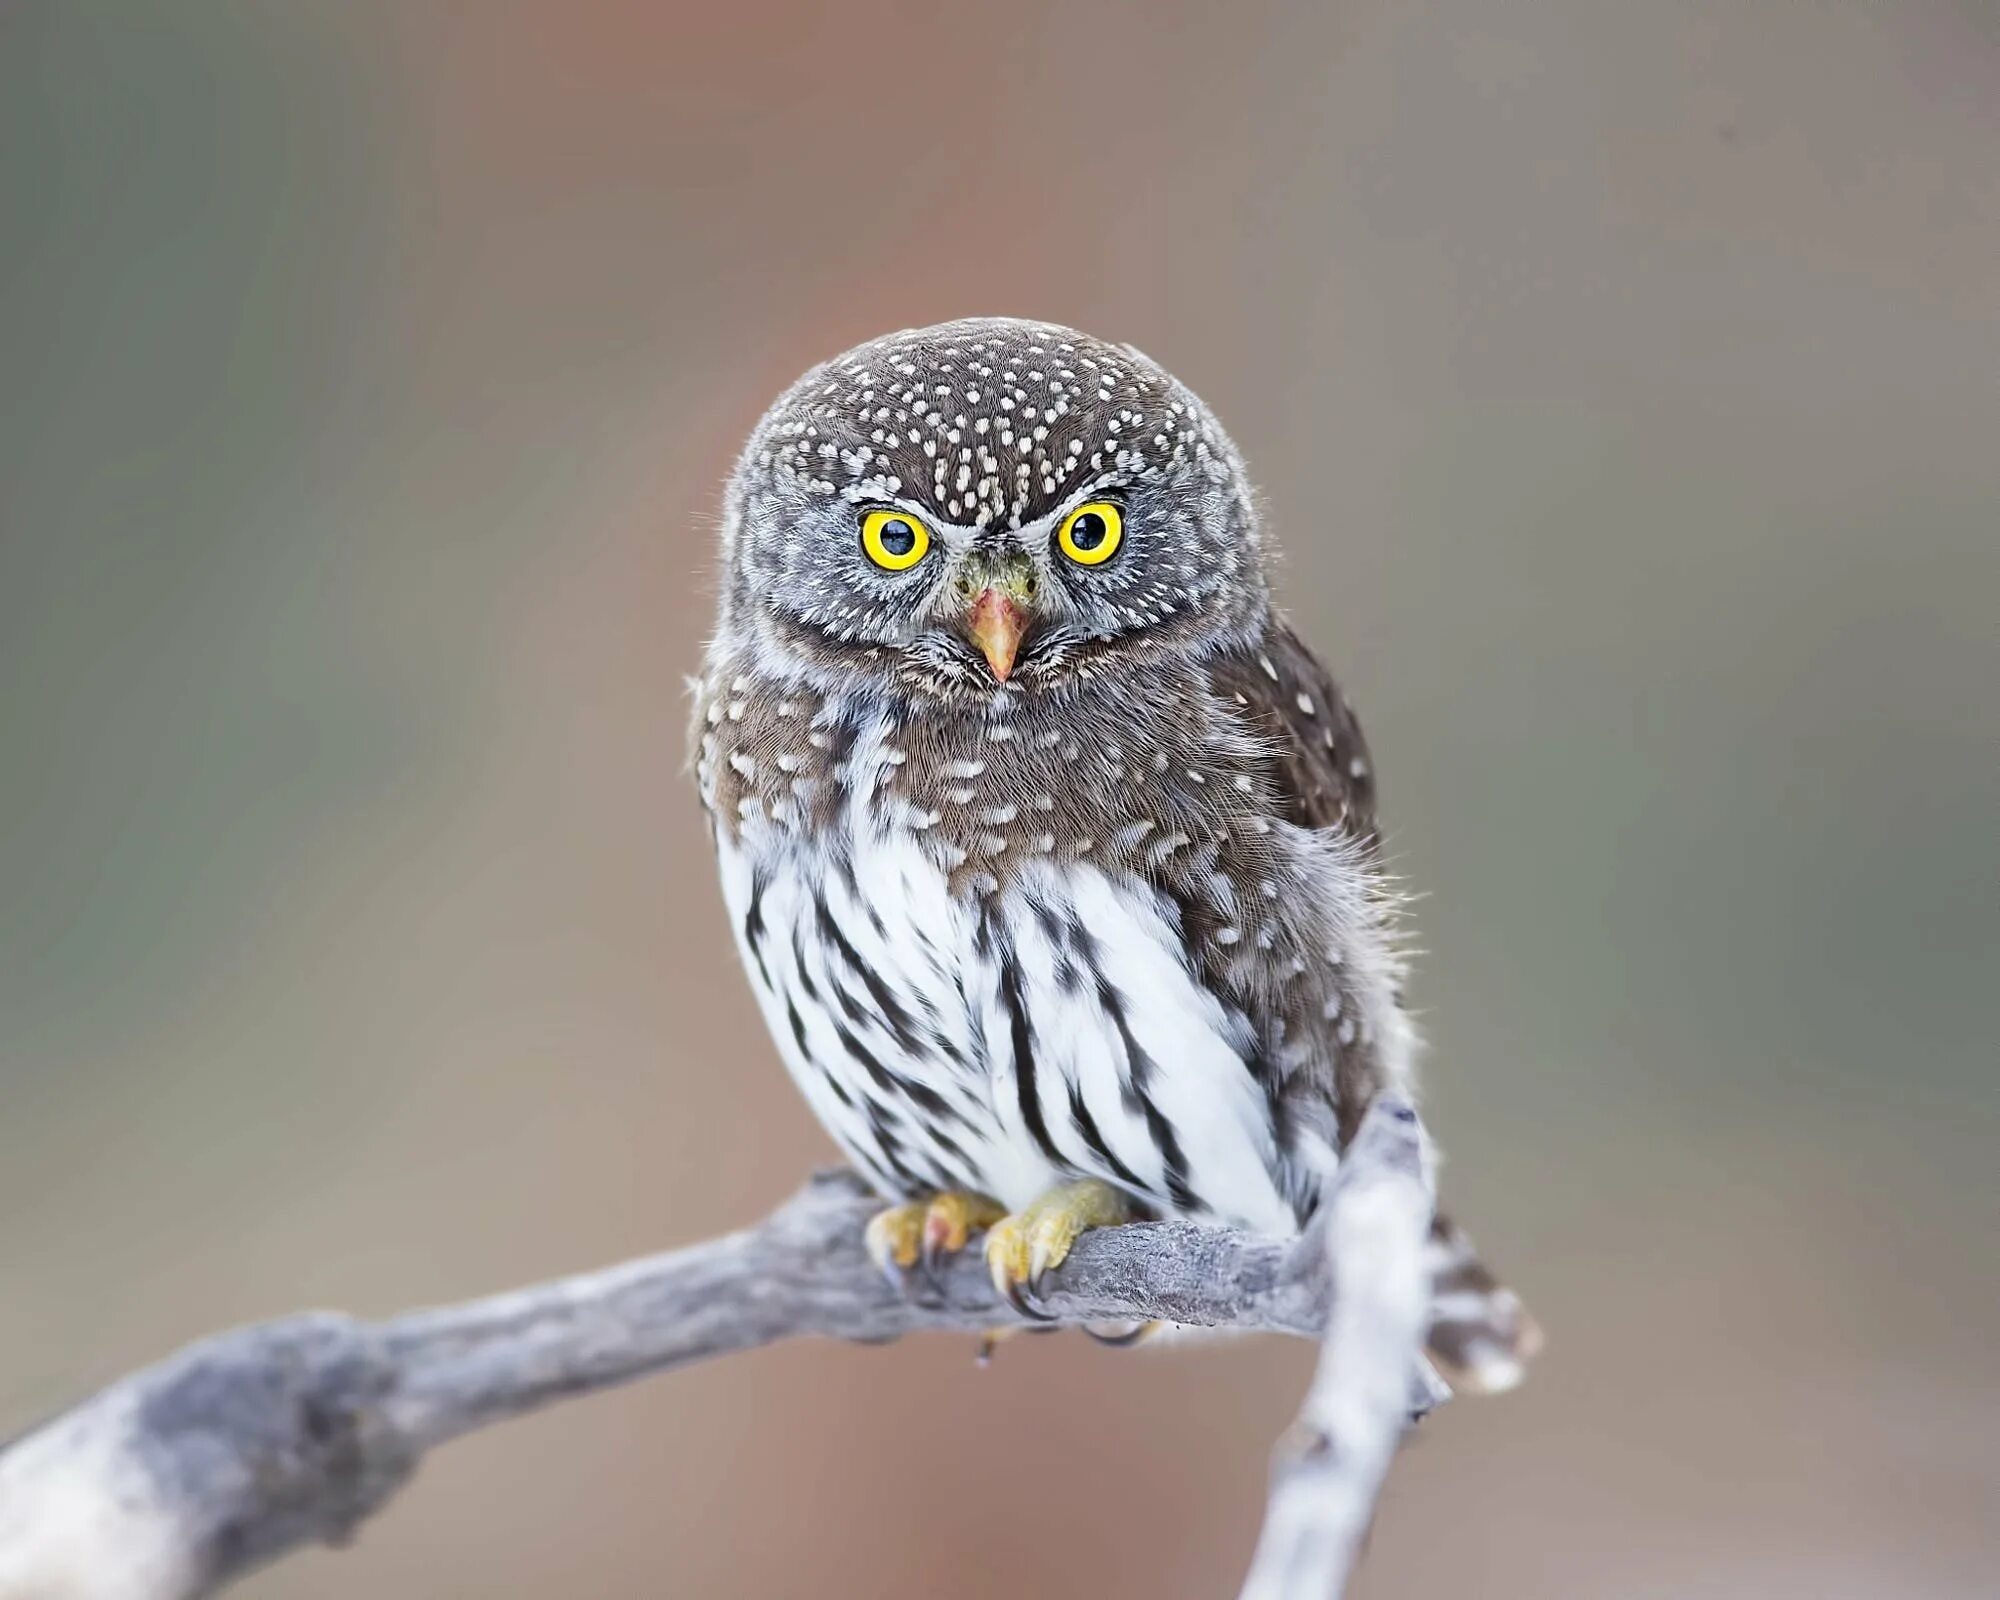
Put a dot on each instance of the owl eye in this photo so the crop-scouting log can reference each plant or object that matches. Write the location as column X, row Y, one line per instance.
column 1090, row 534
column 895, row 540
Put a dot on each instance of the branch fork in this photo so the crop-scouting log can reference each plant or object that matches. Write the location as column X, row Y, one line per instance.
column 186, row 1475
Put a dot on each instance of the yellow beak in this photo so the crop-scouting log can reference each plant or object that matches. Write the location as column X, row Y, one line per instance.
column 996, row 623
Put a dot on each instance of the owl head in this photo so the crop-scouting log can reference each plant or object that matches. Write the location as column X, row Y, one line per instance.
column 983, row 503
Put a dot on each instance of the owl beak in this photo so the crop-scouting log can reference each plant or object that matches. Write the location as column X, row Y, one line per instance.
column 996, row 623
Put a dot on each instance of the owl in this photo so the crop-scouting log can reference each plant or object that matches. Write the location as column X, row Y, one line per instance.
column 1049, row 848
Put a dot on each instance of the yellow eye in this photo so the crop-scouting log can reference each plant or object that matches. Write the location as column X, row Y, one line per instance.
column 895, row 540
column 1090, row 534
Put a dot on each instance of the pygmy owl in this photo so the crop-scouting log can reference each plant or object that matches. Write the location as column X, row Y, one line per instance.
column 1050, row 849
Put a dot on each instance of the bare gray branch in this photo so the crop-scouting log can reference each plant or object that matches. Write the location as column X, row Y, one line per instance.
column 1330, row 1466
column 188, row 1474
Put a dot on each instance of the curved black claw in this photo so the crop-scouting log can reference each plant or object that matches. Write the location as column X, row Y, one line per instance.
column 1131, row 1336
column 1018, row 1293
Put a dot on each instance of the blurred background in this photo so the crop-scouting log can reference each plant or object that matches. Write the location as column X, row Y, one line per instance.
column 1625, row 385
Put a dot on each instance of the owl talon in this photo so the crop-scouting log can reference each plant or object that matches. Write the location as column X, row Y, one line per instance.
column 1024, row 1248
column 1114, row 1337
column 913, row 1242
column 893, row 1238
column 950, row 1221
column 1019, row 1296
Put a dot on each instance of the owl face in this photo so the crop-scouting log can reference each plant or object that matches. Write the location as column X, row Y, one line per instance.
column 989, row 502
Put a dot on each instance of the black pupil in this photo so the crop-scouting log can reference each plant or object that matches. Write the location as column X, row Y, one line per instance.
column 1088, row 531
column 898, row 537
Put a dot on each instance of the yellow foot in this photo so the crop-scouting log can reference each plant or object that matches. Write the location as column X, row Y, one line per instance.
column 1024, row 1248
column 923, row 1232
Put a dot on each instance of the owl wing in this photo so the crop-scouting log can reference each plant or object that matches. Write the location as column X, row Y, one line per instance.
column 1322, row 769
column 1318, row 777
column 1480, row 1336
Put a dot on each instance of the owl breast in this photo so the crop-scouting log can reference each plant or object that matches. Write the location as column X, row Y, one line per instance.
column 1000, row 1042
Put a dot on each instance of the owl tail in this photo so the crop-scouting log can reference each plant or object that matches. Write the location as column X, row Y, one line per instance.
column 1481, row 1337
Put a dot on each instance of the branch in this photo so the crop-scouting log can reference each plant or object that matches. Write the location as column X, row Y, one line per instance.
column 1330, row 1467
column 181, row 1477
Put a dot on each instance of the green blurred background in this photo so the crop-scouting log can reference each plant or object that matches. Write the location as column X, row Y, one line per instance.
column 1625, row 386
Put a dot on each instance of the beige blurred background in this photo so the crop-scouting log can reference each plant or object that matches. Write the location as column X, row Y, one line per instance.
column 1625, row 383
